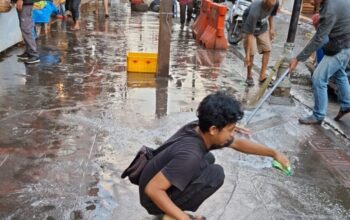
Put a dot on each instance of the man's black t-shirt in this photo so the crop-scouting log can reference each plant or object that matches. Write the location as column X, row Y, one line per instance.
column 180, row 162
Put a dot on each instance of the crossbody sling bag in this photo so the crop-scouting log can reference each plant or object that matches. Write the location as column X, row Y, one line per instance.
column 335, row 45
column 142, row 157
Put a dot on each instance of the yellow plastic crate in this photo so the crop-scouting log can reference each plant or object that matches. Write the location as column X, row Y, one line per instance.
column 142, row 62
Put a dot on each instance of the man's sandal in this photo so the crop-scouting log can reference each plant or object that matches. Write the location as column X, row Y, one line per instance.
column 250, row 81
column 192, row 217
column 261, row 81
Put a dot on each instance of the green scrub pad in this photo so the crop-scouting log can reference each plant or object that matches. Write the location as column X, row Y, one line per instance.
column 287, row 171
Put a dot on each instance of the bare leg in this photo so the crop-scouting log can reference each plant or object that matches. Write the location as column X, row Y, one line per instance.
column 105, row 3
column 96, row 7
column 265, row 62
column 249, row 68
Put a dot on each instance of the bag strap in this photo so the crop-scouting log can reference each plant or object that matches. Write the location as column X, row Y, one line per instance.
column 165, row 145
column 168, row 143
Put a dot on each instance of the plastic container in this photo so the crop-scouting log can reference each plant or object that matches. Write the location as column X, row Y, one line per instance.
column 139, row 62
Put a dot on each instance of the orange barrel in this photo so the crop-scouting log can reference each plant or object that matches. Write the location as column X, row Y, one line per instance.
column 202, row 21
column 213, row 36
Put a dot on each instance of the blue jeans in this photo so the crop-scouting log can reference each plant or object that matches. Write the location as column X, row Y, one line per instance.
column 331, row 66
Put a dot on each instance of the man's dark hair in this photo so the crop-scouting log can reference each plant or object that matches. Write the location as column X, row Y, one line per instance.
column 218, row 109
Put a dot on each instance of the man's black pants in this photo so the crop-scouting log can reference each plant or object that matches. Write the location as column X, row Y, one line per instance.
column 202, row 187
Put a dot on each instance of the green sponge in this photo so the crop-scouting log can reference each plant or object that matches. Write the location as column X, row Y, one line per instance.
column 287, row 171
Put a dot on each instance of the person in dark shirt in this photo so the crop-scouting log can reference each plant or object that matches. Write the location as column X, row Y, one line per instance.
column 258, row 29
column 183, row 175
column 334, row 23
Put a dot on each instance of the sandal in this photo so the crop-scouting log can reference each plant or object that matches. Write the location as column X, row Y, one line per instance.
column 250, row 82
column 192, row 217
column 261, row 81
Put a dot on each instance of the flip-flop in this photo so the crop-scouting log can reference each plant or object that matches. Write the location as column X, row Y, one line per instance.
column 261, row 81
column 192, row 217
column 250, row 82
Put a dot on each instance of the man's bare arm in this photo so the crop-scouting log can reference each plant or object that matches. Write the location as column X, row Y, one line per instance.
column 250, row 39
column 271, row 28
column 250, row 147
column 156, row 191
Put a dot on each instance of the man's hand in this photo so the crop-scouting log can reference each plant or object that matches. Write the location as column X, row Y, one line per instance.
column 243, row 130
column 282, row 159
column 272, row 34
column 156, row 190
column 293, row 64
column 185, row 217
column 19, row 5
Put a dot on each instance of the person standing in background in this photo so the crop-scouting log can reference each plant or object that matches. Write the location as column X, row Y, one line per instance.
column 73, row 6
column 105, row 6
column 24, row 10
column 185, row 5
column 259, row 31
column 334, row 24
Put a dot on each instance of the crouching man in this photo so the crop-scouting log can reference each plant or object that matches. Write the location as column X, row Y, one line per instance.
column 183, row 175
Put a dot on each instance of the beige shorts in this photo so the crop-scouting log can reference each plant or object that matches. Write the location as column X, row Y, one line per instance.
column 262, row 43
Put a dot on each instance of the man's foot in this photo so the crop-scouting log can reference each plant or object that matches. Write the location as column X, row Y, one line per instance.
column 341, row 113
column 261, row 81
column 310, row 120
column 32, row 60
column 250, row 82
column 76, row 27
column 192, row 217
column 23, row 56
column 106, row 15
column 182, row 26
column 167, row 217
column 188, row 23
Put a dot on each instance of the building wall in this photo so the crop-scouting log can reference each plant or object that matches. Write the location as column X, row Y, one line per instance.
column 10, row 34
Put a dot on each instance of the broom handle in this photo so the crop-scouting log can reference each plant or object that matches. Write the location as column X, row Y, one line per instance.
column 266, row 96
